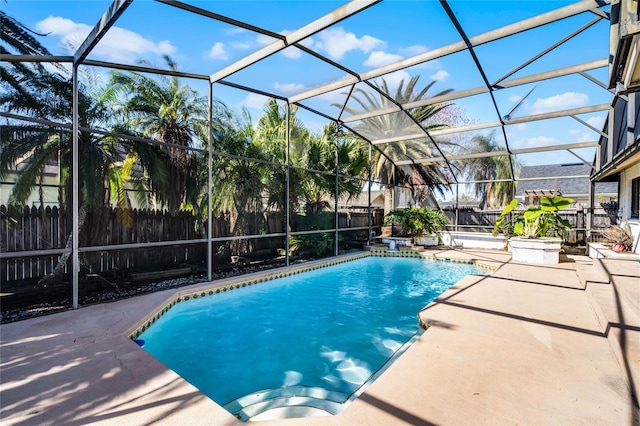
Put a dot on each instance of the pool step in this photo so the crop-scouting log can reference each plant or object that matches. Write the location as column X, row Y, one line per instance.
column 289, row 407
column 287, row 402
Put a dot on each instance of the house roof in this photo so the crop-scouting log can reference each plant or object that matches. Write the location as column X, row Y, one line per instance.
column 362, row 200
column 461, row 204
column 561, row 177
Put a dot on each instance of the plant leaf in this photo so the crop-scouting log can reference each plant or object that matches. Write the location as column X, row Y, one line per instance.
column 555, row 203
column 512, row 205
column 533, row 213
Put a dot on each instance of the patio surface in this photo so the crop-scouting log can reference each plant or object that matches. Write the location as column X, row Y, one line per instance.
column 526, row 345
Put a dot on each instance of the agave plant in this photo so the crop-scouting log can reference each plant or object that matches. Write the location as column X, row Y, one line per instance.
column 620, row 237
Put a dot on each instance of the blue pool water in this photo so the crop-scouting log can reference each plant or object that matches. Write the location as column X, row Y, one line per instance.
column 322, row 333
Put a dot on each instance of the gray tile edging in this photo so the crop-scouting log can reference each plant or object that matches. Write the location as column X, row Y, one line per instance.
column 233, row 283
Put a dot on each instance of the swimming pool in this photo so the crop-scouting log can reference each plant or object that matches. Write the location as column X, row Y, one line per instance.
column 301, row 345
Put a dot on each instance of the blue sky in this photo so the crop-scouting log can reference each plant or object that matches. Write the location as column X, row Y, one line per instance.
column 382, row 34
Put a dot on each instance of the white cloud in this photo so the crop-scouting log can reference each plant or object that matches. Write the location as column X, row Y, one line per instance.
column 240, row 45
column 335, row 96
column 379, row 58
column 535, row 141
column 218, row 51
column 308, row 42
column 254, row 100
column 335, row 42
column 586, row 137
column 514, row 129
column 264, row 40
column 439, row 75
column 289, row 88
column 413, row 50
column 235, row 30
column 559, row 102
column 584, row 134
column 514, row 98
column 58, row 25
column 581, row 136
column 597, row 122
column 118, row 45
column 393, row 79
column 292, row 52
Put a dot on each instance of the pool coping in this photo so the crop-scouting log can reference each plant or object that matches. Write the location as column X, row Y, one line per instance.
column 233, row 283
column 242, row 281
column 79, row 366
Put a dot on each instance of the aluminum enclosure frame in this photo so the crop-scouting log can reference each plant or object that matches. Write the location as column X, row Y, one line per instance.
column 221, row 77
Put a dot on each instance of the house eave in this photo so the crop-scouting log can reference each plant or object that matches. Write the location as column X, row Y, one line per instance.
column 624, row 160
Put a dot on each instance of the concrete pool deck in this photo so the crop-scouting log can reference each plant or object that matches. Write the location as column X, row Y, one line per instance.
column 526, row 345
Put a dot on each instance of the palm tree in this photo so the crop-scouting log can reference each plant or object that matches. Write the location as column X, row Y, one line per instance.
column 351, row 159
column 321, row 153
column 271, row 136
column 308, row 153
column 22, row 77
column 398, row 124
column 106, row 164
column 239, row 184
column 485, row 170
column 165, row 110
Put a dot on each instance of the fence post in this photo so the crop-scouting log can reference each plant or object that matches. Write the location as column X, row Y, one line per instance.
column 579, row 223
column 592, row 190
column 456, row 227
column 287, row 178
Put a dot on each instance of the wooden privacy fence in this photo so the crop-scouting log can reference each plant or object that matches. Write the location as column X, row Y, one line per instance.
column 35, row 229
column 32, row 229
column 470, row 220
column 26, row 230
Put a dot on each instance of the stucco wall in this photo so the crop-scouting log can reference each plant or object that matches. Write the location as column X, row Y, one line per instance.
column 626, row 176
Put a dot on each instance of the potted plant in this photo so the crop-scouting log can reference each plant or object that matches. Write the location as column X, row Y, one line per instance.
column 423, row 225
column 536, row 234
column 620, row 238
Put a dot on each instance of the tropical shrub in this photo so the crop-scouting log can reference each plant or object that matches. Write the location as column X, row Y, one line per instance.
column 319, row 245
column 537, row 221
column 418, row 221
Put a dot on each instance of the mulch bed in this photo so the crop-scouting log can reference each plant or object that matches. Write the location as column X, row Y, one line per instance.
column 27, row 300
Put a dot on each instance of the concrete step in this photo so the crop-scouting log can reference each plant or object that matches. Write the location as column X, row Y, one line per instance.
column 590, row 271
column 617, row 297
column 628, row 289
column 625, row 342
column 616, row 310
column 612, row 307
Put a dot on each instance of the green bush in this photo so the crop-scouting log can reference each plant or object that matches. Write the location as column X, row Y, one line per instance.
column 417, row 221
column 537, row 221
column 320, row 244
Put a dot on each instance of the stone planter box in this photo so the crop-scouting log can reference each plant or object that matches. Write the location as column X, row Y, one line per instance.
column 398, row 241
column 599, row 251
column 538, row 251
column 426, row 240
column 474, row 240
